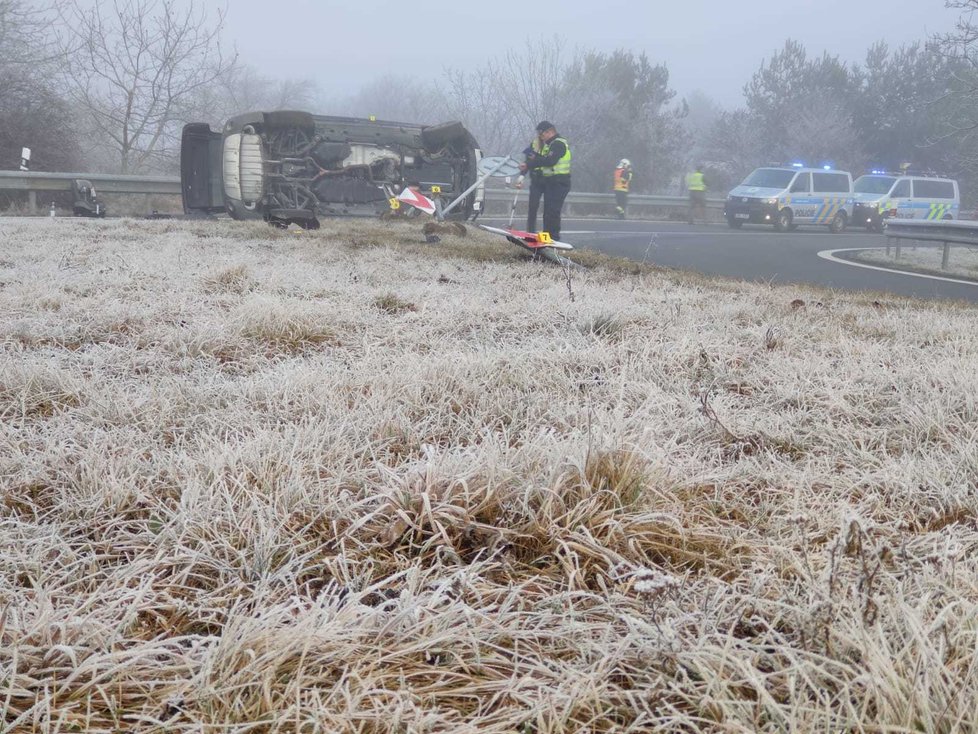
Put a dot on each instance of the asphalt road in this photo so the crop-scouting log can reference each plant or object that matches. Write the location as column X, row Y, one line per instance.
column 757, row 253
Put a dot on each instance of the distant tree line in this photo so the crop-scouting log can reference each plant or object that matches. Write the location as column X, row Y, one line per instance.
column 916, row 104
column 896, row 108
column 106, row 85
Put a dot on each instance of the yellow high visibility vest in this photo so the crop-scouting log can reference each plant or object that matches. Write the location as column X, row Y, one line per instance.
column 561, row 167
column 696, row 181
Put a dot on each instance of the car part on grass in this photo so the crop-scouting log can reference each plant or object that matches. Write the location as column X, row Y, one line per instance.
column 539, row 243
column 86, row 202
column 295, row 167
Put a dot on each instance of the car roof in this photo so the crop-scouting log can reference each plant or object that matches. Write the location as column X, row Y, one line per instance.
column 796, row 169
column 900, row 176
column 928, row 178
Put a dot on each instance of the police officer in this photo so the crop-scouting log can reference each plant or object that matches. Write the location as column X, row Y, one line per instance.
column 696, row 185
column 553, row 164
column 623, row 182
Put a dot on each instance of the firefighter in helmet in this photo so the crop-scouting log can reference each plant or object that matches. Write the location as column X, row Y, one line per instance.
column 622, row 183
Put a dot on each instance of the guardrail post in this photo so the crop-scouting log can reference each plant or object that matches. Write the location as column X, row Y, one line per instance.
column 32, row 201
column 888, row 239
column 947, row 252
column 897, row 255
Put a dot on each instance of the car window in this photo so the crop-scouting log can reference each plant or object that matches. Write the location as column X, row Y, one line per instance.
column 831, row 183
column 925, row 189
column 901, row 190
column 802, row 184
column 769, row 178
column 873, row 184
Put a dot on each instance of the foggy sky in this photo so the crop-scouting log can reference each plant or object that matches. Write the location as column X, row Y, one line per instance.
column 708, row 45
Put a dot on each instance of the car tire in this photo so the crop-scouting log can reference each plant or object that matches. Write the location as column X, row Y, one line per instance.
column 734, row 223
column 783, row 221
column 838, row 224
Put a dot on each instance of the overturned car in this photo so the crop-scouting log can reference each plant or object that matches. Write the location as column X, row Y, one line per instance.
column 288, row 166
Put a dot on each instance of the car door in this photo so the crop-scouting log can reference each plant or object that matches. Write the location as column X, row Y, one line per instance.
column 901, row 199
column 799, row 198
column 831, row 190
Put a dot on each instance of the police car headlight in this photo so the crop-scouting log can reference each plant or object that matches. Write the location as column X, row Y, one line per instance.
column 770, row 201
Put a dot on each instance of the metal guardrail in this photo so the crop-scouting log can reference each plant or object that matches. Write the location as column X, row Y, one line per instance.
column 37, row 181
column 504, row 195
column 104, row 182
column 602, row 202
column 949, row 233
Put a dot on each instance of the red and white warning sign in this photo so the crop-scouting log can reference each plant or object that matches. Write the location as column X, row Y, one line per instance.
column 417, row 200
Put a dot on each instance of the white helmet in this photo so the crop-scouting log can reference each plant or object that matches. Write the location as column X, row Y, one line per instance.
column 624, row 163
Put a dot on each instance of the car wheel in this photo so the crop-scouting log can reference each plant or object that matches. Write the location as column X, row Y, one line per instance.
column 838, row 225
column 783, row 221
column 948, row 218
column 734, row 223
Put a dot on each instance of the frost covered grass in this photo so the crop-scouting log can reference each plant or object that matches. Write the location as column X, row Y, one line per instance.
column 344, row 481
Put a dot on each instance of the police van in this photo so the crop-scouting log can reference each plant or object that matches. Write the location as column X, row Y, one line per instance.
column 791, row 195
column 880, row 196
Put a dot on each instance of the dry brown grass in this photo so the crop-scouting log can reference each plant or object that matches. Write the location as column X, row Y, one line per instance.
column 265, row 481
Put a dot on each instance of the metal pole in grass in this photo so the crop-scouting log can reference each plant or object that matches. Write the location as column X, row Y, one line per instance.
column 512, row 211
column 944, row 258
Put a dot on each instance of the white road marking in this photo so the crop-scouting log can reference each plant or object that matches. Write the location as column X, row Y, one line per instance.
column 830, row 255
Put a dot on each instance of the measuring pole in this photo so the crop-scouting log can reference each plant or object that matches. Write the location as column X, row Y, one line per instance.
column 512, row 212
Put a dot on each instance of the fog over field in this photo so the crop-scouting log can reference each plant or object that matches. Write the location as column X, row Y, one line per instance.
column 710, row 46
column 255, row 480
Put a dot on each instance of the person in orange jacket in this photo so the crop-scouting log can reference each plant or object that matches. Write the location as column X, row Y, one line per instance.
column 622, row 183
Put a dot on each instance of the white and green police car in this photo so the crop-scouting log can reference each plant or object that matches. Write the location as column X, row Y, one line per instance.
column 880, row 196
column 792, row 195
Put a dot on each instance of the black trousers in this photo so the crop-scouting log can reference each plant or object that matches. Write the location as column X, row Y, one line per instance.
column 536, row 192
column 621, row 199
column 697, row 205
column 555, row 190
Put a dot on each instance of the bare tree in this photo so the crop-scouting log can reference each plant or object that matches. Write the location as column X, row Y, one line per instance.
column 395, row 97
column 24, row 41
column 503, row 101
column 242, row 88
column 821, row 130
column 471, row 98
column 134, row 67
column 32, row 112
column 959, row 48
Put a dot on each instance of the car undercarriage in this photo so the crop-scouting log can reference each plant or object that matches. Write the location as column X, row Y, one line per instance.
column 291, row 166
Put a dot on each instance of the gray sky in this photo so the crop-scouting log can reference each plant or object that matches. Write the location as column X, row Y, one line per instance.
column 711, row 45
